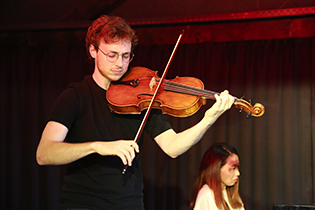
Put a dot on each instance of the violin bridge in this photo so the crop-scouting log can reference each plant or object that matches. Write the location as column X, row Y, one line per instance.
column 152, row 83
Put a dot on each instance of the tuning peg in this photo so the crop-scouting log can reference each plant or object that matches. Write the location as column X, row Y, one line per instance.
column 249, row 115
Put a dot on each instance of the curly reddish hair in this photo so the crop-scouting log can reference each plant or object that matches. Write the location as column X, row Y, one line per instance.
column 110, row 29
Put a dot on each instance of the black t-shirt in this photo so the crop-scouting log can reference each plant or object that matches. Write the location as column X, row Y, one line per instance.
column 96, row 182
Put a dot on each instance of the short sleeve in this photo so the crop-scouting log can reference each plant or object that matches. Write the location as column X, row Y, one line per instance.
column 66, row 108
column 157, row 123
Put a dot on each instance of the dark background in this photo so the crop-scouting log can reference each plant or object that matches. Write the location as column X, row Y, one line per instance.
column 264, row 50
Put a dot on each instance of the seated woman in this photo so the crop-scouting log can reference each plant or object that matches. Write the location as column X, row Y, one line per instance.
column 216, row 186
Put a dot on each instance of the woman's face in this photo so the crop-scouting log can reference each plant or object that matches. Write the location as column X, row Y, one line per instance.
column 229, row 172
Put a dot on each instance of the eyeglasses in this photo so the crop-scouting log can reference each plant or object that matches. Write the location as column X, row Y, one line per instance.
column 113, row 56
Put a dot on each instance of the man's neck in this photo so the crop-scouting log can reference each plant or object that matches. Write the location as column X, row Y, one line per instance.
column 100, row 82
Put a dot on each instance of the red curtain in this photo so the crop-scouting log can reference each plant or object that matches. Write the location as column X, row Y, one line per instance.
column 276, row 150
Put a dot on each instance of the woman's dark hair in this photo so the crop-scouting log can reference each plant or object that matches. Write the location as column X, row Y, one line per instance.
column 209, row 173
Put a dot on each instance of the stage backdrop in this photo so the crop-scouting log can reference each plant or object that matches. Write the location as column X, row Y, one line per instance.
column 276, row 150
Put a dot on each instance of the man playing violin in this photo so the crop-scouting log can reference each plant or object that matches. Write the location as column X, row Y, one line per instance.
column 96, row 143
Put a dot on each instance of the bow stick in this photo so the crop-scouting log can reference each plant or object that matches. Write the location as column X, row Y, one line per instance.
column 146, row 116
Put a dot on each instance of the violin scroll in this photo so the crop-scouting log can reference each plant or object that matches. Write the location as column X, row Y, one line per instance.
column 257, row 110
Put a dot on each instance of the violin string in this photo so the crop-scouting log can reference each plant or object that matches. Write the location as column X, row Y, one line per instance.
column 176, row 87
column 187, row 89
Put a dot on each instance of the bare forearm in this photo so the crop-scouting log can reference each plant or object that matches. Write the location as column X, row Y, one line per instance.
column 60, row 153
column 52, row 150
column 178, row 143
column 186, row 139
column 175, row 144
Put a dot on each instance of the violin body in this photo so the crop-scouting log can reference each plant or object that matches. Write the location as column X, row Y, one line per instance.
column 180, row 97
column 133, row 93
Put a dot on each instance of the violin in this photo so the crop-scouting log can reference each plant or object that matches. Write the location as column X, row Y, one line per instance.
column 179, row 97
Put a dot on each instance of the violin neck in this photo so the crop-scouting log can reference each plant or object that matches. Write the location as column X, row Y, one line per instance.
column 185, row 89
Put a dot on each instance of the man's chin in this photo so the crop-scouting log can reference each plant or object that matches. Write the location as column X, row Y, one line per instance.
column 115, row 78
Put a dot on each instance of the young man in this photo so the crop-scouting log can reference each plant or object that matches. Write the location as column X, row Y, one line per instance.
column 96, row 143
